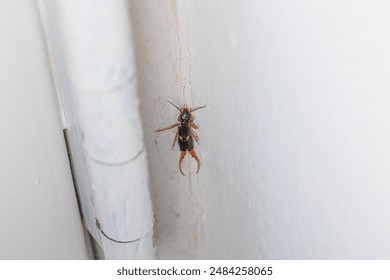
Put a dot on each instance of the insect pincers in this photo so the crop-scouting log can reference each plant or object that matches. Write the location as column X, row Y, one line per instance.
column 185, row 133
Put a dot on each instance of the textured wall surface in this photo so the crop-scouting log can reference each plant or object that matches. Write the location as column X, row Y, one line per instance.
column 294, row 141
column 39, row 217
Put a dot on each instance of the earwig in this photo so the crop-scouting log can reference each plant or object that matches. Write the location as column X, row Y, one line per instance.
column 185, row 134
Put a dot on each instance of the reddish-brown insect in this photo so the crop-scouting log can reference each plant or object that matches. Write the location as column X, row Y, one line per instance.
column 185, row 133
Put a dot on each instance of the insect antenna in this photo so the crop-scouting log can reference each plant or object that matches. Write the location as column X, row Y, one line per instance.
column 174, row 105
column 197, row 108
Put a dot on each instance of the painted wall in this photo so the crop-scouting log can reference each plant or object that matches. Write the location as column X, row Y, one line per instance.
column 294, row 141
column 39, row 217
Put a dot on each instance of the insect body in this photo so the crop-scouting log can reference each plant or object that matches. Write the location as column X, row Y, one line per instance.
column 185, row 134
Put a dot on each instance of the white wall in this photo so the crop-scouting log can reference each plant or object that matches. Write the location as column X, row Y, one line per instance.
column 294, row 142
column 39, row 217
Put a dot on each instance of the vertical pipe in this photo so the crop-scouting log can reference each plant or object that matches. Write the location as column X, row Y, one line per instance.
column 91, row 49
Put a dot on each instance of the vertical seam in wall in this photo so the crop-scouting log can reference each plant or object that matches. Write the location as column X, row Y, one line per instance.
column 183, row 82
column 183, row 67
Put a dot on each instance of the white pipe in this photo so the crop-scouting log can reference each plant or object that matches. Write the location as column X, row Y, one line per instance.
column 92, row 55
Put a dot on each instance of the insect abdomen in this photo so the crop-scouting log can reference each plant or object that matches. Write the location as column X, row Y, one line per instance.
column 186, row 145
column 185, row 140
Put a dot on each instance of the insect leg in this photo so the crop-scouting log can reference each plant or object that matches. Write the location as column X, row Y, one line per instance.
column 183, row 153
column 168, row 127
column 193, row 134
column 193, row 125
column 175, row 139
column 193, row 154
